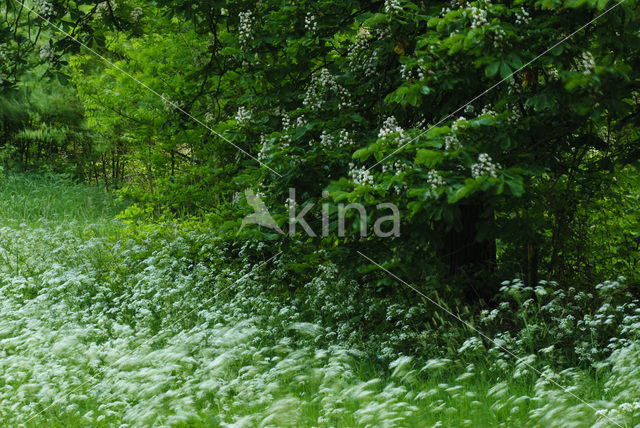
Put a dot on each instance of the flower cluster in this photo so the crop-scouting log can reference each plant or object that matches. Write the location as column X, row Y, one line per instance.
column 484, row 166
column 264, row 146
column 103, row 10
column 136, row 14
column 320, row 88
column 498, row 37
column 522, row 17
column 459, row 124
column 392, row 132
column 435, row 180
column 515, row 115
column 360, row 176
column 4, row 55
column 396, row 168
column 43, row 8
column 370, row 64
column 245, row 28
column 587, row 64
column 326, row 140
column 310, row 23
column 487, row 110
column 46, row 52
column 451, row 142
column 478, row 17
column 344, row 139
column 410, row 73
column 243, row 116
column 392, row 7
column 359, row 59
column 170, row 105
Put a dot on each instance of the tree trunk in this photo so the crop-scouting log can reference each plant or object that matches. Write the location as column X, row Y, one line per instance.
column 469, row 259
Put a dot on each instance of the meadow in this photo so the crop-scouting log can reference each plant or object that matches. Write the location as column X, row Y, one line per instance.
column 106, row 322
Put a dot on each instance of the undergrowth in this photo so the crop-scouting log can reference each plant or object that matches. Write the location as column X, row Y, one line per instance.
column 110, row 323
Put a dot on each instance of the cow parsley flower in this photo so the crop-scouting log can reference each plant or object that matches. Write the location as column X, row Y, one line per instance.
column 473, row 344
column 484, row 166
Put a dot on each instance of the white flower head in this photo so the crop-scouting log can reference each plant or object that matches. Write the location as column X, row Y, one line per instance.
column 392, row 7
column 46, row 52
column 360, row 176
column 136, row 14
column 435, row 180
column 243, row 116
column 484, row 167
column 246, row 27
column 43, row 8
column 310, row 23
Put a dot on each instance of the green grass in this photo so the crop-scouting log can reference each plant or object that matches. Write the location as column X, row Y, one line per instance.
column 43, row 200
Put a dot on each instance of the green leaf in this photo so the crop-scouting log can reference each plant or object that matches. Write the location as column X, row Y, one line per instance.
column 492, row 69
column 428, row 158
column 505, row 71
column 470, row 186
column 515, row 187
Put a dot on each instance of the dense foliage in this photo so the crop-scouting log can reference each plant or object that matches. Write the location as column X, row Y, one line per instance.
column 505, row 133
column 487, row 124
